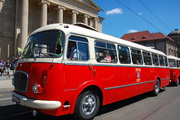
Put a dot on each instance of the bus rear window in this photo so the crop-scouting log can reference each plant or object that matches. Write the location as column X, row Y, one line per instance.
column 172, row 63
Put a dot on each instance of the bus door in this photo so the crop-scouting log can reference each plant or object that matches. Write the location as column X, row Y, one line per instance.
column 77, row 66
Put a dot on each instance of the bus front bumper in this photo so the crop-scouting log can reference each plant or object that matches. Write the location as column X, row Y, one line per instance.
column 37, row 104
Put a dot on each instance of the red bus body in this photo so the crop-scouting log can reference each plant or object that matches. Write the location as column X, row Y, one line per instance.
column 62, row 87
column 63, row 82
column 174, row 66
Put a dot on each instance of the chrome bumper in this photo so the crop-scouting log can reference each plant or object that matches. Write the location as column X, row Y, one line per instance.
column 37, row 104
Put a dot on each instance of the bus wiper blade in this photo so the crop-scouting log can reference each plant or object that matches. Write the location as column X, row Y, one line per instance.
column 51, row 54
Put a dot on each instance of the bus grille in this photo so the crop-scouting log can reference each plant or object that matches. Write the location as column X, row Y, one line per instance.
column 21, row 81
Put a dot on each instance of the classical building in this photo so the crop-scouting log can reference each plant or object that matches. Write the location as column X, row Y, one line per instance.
column 175, row 35
column 18, row 18
column 157, row 41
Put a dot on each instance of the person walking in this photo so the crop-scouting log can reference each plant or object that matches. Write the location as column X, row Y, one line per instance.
column 15, row 62
column 7, row 67
column 2, row 63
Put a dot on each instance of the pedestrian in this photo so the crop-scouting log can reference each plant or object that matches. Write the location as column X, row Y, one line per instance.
column 2, row 63
column 15, row 62
column 7, row 67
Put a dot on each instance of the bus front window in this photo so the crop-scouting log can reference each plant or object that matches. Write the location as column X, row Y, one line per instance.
column 48, row 44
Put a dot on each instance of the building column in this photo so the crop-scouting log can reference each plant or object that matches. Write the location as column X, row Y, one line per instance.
column 95, row 22
column 60, row 13
column 74, row 16
column 86, row 19
column 44, row 7
column 1, row 4
column 24, row 23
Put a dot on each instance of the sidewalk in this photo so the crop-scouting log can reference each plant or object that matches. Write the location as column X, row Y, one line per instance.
column 6, row 82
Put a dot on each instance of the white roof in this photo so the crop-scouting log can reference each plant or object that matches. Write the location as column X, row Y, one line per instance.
column 173, row 57
column 69, row 28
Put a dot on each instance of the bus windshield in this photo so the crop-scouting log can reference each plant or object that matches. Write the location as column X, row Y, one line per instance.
column 47, row 44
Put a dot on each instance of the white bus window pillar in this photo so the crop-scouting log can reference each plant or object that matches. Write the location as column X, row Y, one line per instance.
column 86, row 17
column 95, row 22
column 74, row 16
column 44, row 6
column 24, row 23
column 1, row 4
column 60, row 13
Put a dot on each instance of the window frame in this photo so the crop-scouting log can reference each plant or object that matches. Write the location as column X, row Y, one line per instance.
column 129, row 53
column 150, row 56
column 77, row 41
column 141, row 62
column 99, row 55
column 157, row 58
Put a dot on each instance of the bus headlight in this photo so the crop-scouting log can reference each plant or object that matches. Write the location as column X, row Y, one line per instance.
column 36, row 88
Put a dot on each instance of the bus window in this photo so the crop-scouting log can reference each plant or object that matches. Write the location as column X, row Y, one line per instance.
column 78, row 49
column 105, row 52
column 124, row 56
column 147, row 58
column 172, row 62
column 155, row 59
column 161, row 60
column 136, row 57
column 178, row 63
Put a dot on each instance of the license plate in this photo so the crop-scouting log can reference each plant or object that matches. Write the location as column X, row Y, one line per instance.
column 16, row 99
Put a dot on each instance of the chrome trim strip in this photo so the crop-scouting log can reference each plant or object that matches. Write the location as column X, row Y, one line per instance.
column 166, row 79
column 73, row 63
column 110, row 88
column 112, row 65
column 33, row 103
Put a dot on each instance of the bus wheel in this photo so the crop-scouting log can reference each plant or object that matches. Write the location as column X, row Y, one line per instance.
column 177, row 83
column 87, row 106
column 156, row 90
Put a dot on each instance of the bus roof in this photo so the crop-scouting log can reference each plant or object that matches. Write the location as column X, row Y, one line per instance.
column 173, row 57
column 70, row 28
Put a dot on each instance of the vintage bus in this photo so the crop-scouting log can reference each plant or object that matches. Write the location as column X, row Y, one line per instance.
column 174, row 66
column 50, row 82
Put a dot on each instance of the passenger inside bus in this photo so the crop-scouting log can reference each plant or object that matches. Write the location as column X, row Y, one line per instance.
column 72, row 51
column 106, row 57
column 137, row 62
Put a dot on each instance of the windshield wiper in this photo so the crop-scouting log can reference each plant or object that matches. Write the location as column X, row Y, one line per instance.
column 51, row 55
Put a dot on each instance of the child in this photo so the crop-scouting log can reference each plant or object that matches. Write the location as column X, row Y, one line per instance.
column 7, row 67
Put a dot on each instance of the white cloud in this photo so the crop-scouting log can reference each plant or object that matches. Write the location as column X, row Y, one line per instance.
column 114, row 11
column 139, row 13
column 132, row 31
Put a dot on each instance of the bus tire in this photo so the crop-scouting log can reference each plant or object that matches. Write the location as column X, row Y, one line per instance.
column 87, row 106
column 156, row 90
column 177, row 83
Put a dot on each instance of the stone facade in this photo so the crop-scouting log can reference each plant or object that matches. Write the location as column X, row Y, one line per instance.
column 7, row 28
column 167, row 46
column 18, row 18
column 157, row 41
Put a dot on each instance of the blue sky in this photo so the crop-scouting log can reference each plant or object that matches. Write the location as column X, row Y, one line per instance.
column 119, row 20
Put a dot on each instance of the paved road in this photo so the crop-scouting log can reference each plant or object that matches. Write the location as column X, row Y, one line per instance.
column 165, row 106
column 6, row 82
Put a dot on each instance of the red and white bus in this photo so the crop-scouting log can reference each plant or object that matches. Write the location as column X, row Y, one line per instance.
column 51, row 83
column 174, row 66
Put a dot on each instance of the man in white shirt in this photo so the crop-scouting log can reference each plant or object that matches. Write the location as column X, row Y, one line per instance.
column 72, row 51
